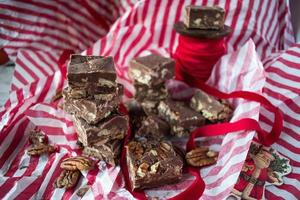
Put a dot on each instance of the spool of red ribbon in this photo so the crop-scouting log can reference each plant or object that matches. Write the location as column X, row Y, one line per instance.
column 196, row 57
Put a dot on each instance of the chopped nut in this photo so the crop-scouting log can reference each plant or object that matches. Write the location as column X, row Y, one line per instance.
column 136, row 149
column 41, row 149
column 154, row 168
column 142, row 170
column 153, row 152
column 77, row 163
column 201, row 157
column 165, row 146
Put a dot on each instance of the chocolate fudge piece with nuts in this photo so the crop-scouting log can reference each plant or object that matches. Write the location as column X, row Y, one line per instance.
column 152, row 163
column 151, row 70
column 94, row 92
column 182, row 119
column 114, row 127
column 98, row 70
column 212, row 109
column 143, row 92
column 90, row 110
column 204, row 17
column 153, row 127
column 108, row 152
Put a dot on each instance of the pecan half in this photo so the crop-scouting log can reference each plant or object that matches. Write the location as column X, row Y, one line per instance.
column 77, row 163
column 201, row 156
column 41, row 149
column 67, row 179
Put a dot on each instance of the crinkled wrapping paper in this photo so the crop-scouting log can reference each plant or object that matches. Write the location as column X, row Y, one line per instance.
column 140, row 31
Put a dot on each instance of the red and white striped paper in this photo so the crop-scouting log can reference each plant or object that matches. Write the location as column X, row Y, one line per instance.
column 42, row 30
column 147, row 27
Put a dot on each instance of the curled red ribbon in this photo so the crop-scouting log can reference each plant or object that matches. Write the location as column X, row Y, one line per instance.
column 195, row 59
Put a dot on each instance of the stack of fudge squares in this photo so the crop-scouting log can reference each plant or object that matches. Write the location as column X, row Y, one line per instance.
column 93, row 97
column 155, row 118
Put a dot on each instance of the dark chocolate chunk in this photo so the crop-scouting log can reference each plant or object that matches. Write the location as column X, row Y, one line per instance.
column 136, row 115
column 153, row 127
column 108, row 152
column 143, row 92
column 91, row 69
column 182, row 119
column 201, row 34
column 91, row 110
column 152, row 163
column 152, row 69
column 211, row 108
column 114, row 127
column 204, row 17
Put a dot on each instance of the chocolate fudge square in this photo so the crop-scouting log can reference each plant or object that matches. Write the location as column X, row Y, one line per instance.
column 108, row 152
column 181, row 117
column 91, row 69
column 152, row 163
column 114, row 127
column 90, row 110
column 211, row 108
column 153, row 127
column 95, row 92
column 204, row 17
column 151, row 70
column 143, row 92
